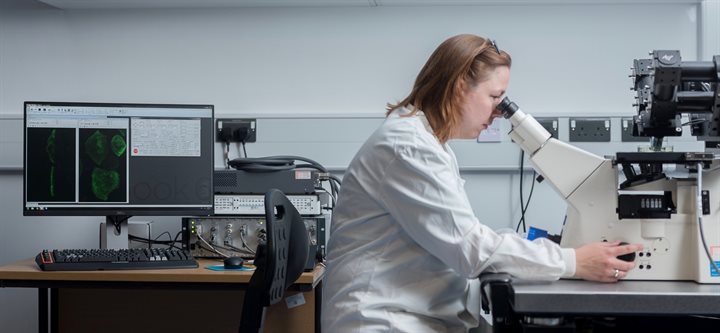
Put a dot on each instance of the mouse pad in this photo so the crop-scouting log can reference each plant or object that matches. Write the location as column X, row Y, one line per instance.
column 222, row 268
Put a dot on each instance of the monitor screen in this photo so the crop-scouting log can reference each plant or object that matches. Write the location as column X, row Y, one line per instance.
column 117, row 159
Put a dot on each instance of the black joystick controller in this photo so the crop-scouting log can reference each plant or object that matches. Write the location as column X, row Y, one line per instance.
column 630, row 257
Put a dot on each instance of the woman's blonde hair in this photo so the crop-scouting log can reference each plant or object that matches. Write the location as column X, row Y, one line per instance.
column 460, row 62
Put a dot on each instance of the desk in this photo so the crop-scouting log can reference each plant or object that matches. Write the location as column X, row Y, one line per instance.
column 177, row 300
column 626, row 305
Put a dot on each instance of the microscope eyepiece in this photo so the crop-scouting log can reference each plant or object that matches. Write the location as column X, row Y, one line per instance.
column 507, row 107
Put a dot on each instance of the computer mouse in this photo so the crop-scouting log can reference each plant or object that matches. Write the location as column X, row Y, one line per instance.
column 233, row 263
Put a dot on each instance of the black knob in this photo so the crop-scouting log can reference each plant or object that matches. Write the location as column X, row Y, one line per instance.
column 630, row 257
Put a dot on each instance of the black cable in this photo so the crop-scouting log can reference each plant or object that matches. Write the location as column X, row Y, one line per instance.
column 335, row 178
column 117, row 221
column 171, row 242
column 524, row 205
column 244, row 244
column 176, row 239
column 158, row 237
column 246, row 251
column 532, row 189
column 263, row 168
column 231, row 248
column 213, row 250
column 241, row 150
column 332, row 181
column 694, row 121
column 227, row 154
column 699, row 217
column 333, row 199
column 563, row 226
column 522, row 199
column 283, row 162
column 149, row 241
column 271, row 161
column 304, row 159
column 263, row 164
column 335, row 184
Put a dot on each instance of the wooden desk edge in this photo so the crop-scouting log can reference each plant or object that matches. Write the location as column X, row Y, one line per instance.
column 28, row 270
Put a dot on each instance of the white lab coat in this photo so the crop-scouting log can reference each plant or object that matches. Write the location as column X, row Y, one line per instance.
column 406, row 248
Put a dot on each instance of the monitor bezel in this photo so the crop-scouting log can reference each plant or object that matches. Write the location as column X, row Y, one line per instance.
column 122, row 210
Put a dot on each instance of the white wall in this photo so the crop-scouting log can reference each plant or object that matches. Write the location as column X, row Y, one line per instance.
column 568, row 60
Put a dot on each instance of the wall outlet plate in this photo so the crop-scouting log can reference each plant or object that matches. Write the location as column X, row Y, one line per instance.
column 551, row 125
column 236, row 130
column 626, row 129
column 589, row 130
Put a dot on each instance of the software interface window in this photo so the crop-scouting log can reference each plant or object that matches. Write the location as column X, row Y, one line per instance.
column 116, row 156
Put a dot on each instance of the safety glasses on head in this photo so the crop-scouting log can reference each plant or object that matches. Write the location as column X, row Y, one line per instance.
column 492, row 42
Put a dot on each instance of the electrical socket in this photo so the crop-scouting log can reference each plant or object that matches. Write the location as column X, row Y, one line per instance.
column 589, row 130
column 550, row 124
column 626, row 130
column 236, row 130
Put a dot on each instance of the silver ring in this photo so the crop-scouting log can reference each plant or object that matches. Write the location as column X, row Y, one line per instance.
column 616, row 274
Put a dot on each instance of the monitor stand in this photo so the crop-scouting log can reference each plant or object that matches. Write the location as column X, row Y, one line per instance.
column 116, row 232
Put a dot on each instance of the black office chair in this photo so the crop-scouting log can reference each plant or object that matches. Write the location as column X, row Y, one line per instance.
column 279, row 261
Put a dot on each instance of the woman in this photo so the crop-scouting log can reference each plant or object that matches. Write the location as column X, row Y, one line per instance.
column 406, row 248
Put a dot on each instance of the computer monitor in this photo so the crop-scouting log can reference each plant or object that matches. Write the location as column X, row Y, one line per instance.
column 117, row 160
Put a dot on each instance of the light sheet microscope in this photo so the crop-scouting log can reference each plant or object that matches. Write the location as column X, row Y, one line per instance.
column 676, row 217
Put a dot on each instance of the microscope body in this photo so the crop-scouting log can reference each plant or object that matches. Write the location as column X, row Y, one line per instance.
column 671, row 245
column 649, row 207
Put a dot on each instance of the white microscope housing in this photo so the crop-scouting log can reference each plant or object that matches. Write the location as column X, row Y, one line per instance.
column 662, row 214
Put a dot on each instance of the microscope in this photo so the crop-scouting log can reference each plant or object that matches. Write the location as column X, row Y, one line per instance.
column 675, row 216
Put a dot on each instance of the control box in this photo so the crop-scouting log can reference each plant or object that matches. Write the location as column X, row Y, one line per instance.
column 254, row 204
column 217, row 237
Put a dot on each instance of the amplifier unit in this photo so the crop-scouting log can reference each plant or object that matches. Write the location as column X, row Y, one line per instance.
column 217, row 237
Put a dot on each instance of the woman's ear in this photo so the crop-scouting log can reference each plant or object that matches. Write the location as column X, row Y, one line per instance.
column 462, row 87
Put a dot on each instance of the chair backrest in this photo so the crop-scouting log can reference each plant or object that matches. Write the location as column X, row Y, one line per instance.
column 288, row 238
column 279, row 262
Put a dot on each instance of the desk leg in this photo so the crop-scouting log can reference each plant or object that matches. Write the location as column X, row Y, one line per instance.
column 42, row 310
column 54, row 310
column 318, row 307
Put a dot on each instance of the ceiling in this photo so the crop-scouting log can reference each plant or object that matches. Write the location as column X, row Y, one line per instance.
column 140, row 4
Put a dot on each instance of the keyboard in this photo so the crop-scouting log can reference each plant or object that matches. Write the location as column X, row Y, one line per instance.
column 111, row 259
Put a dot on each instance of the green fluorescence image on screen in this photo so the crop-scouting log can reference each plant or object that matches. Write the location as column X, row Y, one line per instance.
column 103, row 165
column 50, row 153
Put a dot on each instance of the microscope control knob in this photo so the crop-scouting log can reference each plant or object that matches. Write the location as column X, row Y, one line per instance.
column 630, row 257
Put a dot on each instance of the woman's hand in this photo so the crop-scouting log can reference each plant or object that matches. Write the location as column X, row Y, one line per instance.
column 598, row 261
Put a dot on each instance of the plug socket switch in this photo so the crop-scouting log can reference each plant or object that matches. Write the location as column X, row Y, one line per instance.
column 626, row 128
column 550, row 124
column 589, row 129
column 236, row 130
